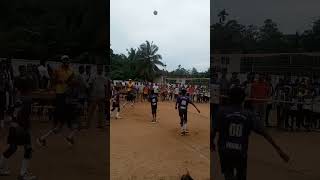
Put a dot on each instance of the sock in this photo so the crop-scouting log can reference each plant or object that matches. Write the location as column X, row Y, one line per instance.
column 3, row 162
column 185, row 126
column 72, row 133
column 117, row 115
column 47, row 134
column 24, row 167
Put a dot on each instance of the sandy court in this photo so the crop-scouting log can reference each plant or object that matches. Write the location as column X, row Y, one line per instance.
column 142, row 150
column 265, row 164
column 86, row 160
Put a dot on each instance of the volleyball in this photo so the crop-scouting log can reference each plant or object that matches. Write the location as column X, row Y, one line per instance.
column 155, row 12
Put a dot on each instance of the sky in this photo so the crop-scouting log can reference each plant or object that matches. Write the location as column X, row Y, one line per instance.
column 290, row 15
column 181, row 29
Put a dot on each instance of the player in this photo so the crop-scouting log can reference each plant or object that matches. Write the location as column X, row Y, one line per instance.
column 154, row 102
column 234, row 125
column 182, row 104
column 130, row 93
column 186, row 176
column 116, row 102
column 72, row 106
column 99, row 84
column 19, row 131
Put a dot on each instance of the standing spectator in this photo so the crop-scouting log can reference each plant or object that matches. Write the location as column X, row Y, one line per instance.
column 176, row 92
column 10, row 96
column 3, row 84
column 215, row 97
column 246, row 85
column 269, row 103
column 307, row 109
column 156, row 89
column 259, row 94
column 224, row 87
column 83, row 90
column 88, row 74
column 50, row 72
column 44, row 75
column 141, row 88
column 99, row 84
column 145, row 92
column 234, row 80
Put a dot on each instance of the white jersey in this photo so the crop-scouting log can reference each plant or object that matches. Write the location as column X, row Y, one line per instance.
column 215, row 93
column 316, row 105
column 307, row 103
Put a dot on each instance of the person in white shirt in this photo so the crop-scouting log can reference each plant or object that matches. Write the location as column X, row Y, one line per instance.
column 88, row 75
column 98, row 96
column 141, row 87
column 176, row 92
column 156, row 89
column 44, row 75
column 307, row 109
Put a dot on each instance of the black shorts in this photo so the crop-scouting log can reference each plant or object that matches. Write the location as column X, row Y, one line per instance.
column 19, row 136
column 60, row 113
column 183, row 115
column 66, row 113
column 154, row 109
column 231, row 161
column 73, row 116
column 2, row 101
column 130, row 97
column 115, row 105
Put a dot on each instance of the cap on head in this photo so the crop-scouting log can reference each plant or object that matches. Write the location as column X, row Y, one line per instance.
column 65, row 59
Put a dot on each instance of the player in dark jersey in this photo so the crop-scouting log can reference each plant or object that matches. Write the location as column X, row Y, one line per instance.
column 186, row 176
column 234, row 125
column 182, row 104
column 154, row 104
column 116, row 102
column 19, row 131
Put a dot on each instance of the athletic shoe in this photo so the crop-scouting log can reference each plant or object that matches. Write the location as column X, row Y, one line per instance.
column 183, row 133
column 27, row 176
column 70, row 141
column 186, row 131
column 4, row 172
column 153, row 122
column 42, row 142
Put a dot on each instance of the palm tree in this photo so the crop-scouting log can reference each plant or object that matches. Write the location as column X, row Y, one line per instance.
column 222, row 16
column 149, row 61
column 132, row 62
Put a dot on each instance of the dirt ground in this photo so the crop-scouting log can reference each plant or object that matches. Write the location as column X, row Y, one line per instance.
column 86, row 160
column 142, row 150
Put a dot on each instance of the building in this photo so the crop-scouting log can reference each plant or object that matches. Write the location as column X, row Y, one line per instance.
column 277, row 63
column 187, row 81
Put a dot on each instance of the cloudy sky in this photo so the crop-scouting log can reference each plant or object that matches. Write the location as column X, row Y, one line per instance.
column 291, row 15
column 181, row 29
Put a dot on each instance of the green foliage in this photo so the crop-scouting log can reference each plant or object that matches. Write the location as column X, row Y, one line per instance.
column 228, row 34
column 36, row 29
column 145, row 64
